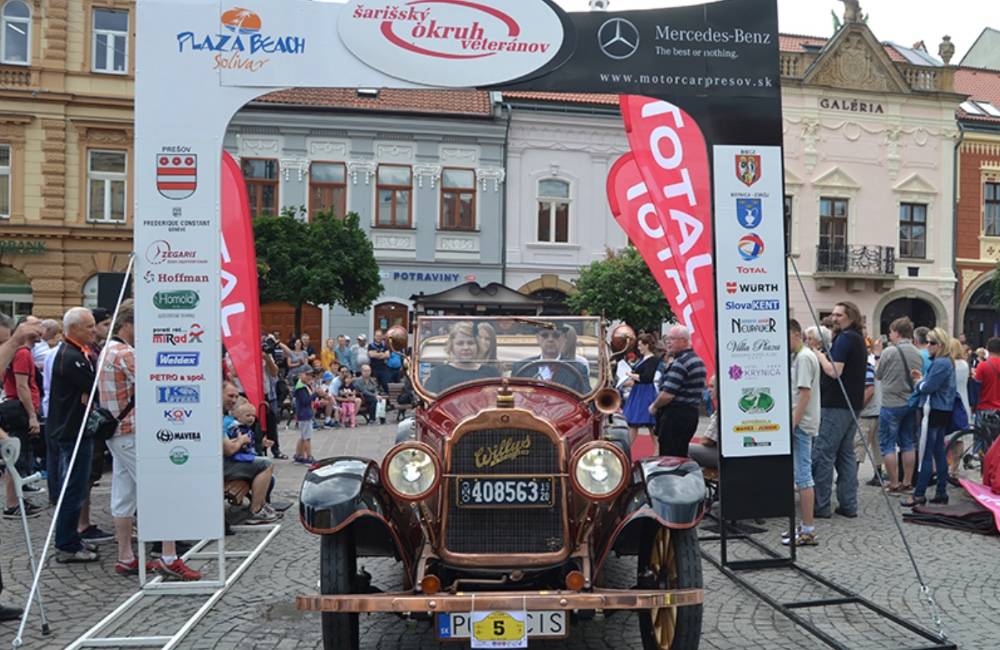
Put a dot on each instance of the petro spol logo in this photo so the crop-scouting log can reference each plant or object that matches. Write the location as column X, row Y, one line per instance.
column 454, row 43
column 750, row 247
column 183, row 299
column 241, row 42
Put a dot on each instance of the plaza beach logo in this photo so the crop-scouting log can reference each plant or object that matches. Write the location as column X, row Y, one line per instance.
column 454, row 43
column 241, row 42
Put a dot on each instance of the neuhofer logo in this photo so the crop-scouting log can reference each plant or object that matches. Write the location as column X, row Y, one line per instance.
column 452, row 42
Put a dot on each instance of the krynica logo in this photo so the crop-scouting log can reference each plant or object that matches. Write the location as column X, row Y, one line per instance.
column 175, row 300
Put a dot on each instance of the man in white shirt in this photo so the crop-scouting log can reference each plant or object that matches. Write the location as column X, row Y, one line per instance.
column 51, row 333
column 805, row 423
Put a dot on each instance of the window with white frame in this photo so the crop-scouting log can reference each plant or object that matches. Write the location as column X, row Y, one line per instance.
column 4, row 181
column 553, row 210
column 16, row 38
column 106, row 177
column 110, row 37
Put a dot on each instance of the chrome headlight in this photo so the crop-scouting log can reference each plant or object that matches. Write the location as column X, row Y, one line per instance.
column 598, row 471
column 411, row 471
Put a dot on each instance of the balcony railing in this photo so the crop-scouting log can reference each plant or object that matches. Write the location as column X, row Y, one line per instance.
column 856, row 260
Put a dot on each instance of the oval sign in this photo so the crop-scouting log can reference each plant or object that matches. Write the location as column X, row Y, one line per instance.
column 452, row 43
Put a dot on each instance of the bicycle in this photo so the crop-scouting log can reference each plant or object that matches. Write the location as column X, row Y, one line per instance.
column 966, row 448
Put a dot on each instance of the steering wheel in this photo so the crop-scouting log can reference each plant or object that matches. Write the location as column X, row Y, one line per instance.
column 570, row 375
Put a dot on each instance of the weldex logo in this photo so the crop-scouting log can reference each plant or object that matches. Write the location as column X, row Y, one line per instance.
column 177, row 359
column 452, row 42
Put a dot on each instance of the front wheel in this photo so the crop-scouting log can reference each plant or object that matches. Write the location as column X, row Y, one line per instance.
column 338, row 568
column 669, row 559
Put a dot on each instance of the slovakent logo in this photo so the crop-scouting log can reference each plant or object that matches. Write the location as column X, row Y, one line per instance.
column 183, row 299
column 240, row 42
column 452, row 42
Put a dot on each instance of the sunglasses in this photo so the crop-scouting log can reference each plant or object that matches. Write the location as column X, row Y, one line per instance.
column 933, row 343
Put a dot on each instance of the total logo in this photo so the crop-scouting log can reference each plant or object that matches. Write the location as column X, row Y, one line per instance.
column 750, row 247
column 166, row 435
column 178, row 395
column 177, row 359
column 750, row 270
column 240, row 42
column 160, row 252
column 174, row 278
column 177, row 415
column 452, row 42
column 756, row 400
column 753, row 325
column 732, row 288
column 749, row 213
column 753, row 305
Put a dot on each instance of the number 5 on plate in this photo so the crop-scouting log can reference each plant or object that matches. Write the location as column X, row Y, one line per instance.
column 499, row 629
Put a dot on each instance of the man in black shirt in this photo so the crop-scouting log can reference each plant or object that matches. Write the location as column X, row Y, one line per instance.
column 834, row 446
column 73, row 376
column 677, row 403
column 378, row 353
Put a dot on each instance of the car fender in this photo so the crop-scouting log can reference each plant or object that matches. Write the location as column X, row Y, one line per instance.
column 346, row 491
column 669, row 491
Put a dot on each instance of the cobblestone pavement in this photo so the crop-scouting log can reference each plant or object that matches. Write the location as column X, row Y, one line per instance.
column 863, row 554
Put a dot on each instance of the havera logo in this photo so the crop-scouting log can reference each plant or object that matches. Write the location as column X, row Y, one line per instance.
column 452, row 42
column 175, row 300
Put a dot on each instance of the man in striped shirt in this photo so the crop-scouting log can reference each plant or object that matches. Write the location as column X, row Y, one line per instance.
column 681, row 387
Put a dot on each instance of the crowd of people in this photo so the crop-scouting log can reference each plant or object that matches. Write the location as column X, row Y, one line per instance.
column 906, row 393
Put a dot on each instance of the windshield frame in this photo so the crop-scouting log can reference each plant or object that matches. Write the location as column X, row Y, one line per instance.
column 422, row 323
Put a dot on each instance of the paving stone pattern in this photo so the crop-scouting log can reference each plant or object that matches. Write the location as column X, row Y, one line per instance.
column 863, row 554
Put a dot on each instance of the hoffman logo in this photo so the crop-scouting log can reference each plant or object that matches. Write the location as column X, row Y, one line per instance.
column 174, row 278
column 178, row 395
column 618, row 38
column 452, row 42
column 166, row 435
column 756, row 400
column 160, row 251
column 177, row 359
column 506, row 449
column 175, row 300
column 239, row 43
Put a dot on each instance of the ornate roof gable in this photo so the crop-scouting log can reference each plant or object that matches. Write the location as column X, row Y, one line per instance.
column 854, row 60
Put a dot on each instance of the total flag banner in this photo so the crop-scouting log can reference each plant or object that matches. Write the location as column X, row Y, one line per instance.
column 675, row 219
column 751, row 290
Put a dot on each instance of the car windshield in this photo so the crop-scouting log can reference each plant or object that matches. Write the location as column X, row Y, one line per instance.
column 450, row 351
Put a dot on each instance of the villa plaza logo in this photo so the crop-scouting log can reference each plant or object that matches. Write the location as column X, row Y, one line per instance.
column 452, row 43
column 241, row 43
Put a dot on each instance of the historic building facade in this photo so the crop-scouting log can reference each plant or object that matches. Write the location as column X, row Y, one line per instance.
column 66, row 165
column 870, row 139
column 978, row 213
column 423, row 169
column 561, row 148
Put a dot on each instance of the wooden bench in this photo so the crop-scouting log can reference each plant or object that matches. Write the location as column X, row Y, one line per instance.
column 395, row 390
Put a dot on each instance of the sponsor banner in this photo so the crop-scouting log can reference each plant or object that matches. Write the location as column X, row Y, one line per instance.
column 240, row 299
column 634, row 211
column 752, row 311
column 669, row 150
column 985, row 497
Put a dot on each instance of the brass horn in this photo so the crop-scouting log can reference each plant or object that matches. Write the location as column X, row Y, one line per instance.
column 398, row 339
column 608, row 400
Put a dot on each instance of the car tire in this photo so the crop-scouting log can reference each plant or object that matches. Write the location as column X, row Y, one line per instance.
column 680, row 570
column 338, row 568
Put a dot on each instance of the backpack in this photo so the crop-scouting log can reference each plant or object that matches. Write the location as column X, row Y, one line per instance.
column 395, row 361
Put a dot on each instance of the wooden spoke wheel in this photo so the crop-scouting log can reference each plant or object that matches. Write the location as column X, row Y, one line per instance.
column 669, row 559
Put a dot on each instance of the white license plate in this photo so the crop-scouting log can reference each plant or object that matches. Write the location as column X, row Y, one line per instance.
column 541, row 625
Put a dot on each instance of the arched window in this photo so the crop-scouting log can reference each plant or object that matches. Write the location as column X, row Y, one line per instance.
column 553, row 210
column 90, row 292
column 16, row 39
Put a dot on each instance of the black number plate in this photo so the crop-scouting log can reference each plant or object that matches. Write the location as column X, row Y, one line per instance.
column 523, row 491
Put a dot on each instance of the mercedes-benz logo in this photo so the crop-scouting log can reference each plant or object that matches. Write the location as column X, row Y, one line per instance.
column 618, row 38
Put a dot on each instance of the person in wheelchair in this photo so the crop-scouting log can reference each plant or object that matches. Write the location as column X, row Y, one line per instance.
column 550, row 365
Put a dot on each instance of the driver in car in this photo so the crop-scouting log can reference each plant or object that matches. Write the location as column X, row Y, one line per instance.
column 550, row 366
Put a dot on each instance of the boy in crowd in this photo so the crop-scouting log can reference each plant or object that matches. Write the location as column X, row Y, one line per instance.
column 304, row 392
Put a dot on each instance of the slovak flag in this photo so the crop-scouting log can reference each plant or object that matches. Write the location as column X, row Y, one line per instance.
column 176, row 175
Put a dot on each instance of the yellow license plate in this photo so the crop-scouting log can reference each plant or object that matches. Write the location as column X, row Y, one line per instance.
column 498, row 626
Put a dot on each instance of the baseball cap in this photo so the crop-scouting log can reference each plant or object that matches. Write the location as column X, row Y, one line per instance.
column 362, row 337
column 100, row 314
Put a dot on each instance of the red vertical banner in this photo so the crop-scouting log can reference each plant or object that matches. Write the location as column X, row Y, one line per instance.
column 240, row 298
column 671, row 160
column 632, row 206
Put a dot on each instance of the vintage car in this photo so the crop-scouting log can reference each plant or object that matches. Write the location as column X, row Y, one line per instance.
column 505, row 496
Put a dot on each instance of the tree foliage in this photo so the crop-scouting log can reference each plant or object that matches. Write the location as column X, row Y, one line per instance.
column 622, row 288
column 327, row 261
column 996, row 286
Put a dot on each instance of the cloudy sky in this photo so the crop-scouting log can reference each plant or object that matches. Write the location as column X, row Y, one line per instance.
column 902, row 21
